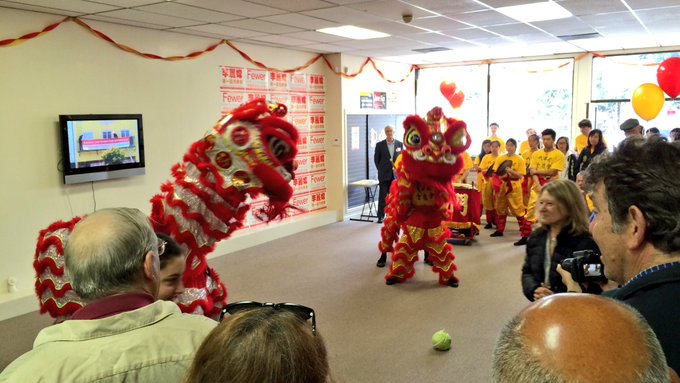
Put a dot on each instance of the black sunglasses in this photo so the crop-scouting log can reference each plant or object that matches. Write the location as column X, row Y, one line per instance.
column 303, row 312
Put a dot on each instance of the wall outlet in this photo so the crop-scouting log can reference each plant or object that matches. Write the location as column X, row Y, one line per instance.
column 12, row 285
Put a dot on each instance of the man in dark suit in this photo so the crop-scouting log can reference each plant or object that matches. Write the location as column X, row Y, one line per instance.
column 386, row 153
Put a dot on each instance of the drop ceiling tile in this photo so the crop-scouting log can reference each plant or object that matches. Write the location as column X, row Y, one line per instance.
column 327, row 48
column 509, row 3
column 295, row 6
column 188, row 12
column 484, row 18
column 391, row 28
column 36, row 8
column 262, row 26
column 315, row 36
column 300, row 21
column 225, row 31
column 651, row 17
column 73, row 7
column 438, row 23
column 648, row 4
column 235, row 7
column 123, row 3
column 568, row 26
column 147, row 17
column 592, row 7
column 343, row 15
column 376, row 43
column 390, row 9
column 448, row 7
column 109, row 19
column 469, row 33
column 512, row 29
column 280, row 39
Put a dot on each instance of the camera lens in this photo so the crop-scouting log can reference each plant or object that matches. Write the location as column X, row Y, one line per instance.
column 568, row 264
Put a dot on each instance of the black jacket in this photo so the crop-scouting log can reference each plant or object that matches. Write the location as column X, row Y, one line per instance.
column 533, row 272
column 586, row 157
column 381, row 158
column 657, row 297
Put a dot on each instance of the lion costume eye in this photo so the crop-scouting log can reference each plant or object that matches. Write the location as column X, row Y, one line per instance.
column 413, row 137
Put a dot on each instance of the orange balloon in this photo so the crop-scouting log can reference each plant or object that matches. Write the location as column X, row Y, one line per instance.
column 648, row 100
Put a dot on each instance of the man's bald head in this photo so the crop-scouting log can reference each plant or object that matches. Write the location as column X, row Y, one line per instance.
column 578, row 338
column 107, row 253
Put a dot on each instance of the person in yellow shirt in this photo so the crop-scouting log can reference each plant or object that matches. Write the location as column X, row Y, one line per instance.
column 509, row 193
column 524, row 146
column 486, row 168
column 582, row 140
column 534, row 144
column 467, row 165
column 493, row 137
column 486, row 149
column 546, row 165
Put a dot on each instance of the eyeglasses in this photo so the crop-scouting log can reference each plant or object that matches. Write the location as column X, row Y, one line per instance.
column 161, row 246
column 303, row 312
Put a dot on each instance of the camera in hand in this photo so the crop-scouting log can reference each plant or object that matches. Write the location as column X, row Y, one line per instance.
column 585, row 266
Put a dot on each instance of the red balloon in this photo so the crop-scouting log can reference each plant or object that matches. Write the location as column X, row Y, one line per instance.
column 454, row 95
column 668, row 76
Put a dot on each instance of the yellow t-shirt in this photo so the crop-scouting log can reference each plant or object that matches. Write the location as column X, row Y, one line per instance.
column 542, row 160
column 500, row 141
column 580, row 143
column 524, row 146
column 518, row 165
column 488, row 161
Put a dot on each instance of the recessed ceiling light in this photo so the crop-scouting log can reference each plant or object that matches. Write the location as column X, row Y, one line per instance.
column 352, row 32
column 535, row 12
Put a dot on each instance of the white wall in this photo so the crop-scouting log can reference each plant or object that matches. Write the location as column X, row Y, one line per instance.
column 70, row 71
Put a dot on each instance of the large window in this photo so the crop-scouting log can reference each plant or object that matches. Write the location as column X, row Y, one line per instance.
column 517, row 96
column 614, row 80
column 531, row 94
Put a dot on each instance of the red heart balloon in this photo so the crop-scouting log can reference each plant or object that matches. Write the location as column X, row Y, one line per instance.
column 668, row 76
column 453, row 95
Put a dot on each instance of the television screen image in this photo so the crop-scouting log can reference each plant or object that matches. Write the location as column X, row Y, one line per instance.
column 98, row 147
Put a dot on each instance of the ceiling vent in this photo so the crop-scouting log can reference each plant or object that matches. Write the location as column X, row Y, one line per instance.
column 580, row 36
column 433, row 49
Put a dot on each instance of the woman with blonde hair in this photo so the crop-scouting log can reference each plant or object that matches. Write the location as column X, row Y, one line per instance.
column 262, row 343
column 563, row 219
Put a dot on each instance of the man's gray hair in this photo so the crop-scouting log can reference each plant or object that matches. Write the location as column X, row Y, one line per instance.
column 514, row 362
column 644, row 173
column 107, row 258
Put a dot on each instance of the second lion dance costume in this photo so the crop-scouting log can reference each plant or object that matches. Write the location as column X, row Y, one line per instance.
column 422, row 196
column 249, row 152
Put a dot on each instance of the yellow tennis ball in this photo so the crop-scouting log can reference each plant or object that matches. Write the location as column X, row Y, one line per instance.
column 441, row 340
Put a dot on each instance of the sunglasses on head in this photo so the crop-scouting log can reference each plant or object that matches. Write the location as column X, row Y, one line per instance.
column 303, row 312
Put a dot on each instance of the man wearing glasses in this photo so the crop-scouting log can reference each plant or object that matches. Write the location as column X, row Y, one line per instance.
column 123, row 332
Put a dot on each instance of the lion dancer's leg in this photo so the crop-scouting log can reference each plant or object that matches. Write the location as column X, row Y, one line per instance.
column 441, row 255
column 388, row 235
column 405, row 254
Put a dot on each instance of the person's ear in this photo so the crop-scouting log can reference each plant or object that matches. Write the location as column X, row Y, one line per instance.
column 637, row 227
column 149, row 265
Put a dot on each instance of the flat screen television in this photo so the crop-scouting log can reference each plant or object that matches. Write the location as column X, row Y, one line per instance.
column 98, row 147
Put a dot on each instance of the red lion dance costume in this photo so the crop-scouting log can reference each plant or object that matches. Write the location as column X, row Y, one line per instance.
column 421, row 197
column 248, row 152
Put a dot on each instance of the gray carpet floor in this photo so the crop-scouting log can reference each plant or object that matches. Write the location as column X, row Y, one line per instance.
column 374, row 332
